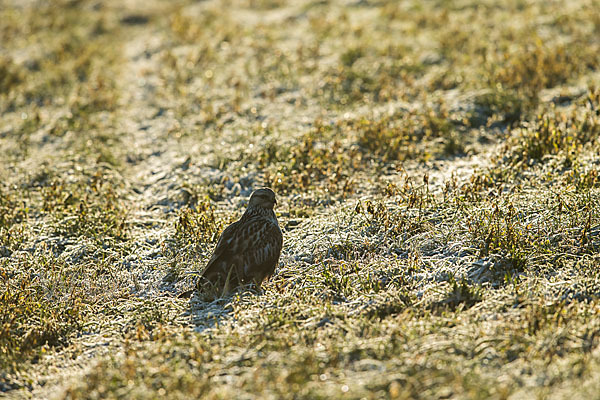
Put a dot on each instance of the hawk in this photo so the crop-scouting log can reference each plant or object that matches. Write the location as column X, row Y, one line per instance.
column 248, row 250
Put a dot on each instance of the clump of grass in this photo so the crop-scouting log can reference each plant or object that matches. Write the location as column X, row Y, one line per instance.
column 198, row 224
column 459, row 294
column 583, row 179
column 408, row 135
column 556, row 131
column 310, row 162
column 498, row 105
column 350, row 56
column 11, row 75
column 89, row 207
column 12, row 211
column 40, row 307
column 500, row 231
column 390, row 139
column 13, row 215
column 538, row 66
column 409, row 215
column 355, row 80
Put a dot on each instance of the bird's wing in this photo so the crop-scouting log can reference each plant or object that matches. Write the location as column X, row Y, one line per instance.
column 254, row 245
column 261, row 258
column 228, row 241
column 227, row 244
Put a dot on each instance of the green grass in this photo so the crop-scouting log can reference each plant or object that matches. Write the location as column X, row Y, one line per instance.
column 437, row 178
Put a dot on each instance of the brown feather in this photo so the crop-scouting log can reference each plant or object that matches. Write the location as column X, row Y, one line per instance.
column 249, row 249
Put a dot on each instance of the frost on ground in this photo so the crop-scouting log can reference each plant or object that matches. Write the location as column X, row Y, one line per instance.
column 437, row 176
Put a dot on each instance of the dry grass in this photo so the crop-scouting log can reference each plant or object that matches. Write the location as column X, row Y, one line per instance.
column 437, row 175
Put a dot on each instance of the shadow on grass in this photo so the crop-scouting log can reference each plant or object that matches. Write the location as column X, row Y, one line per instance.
column 206, row 312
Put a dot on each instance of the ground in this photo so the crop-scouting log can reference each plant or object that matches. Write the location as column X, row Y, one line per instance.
column 436, row 167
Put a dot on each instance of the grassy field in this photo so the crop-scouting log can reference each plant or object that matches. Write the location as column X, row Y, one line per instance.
column 436, row 165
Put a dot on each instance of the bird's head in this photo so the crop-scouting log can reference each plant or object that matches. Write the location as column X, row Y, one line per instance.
column 264, row 198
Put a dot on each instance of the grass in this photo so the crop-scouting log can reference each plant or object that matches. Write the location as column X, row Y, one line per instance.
column 437, row 178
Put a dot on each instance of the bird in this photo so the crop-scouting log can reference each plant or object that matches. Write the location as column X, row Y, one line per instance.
column 248, row 250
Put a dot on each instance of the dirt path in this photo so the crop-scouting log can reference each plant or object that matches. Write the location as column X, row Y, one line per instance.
column 152, row 155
